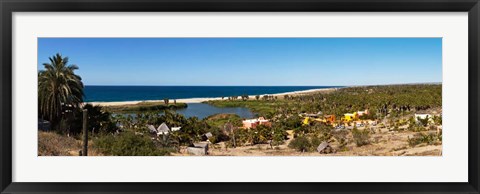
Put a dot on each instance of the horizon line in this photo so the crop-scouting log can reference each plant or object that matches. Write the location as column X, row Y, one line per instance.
column 353, row 85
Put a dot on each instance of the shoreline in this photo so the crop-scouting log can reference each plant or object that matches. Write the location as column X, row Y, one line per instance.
column 200, row 100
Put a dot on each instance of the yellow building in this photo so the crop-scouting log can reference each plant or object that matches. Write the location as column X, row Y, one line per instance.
column 350, row 117
column 328, row 119
column 306, row 121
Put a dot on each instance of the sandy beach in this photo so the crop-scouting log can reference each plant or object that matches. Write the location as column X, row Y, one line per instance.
column 200, row 100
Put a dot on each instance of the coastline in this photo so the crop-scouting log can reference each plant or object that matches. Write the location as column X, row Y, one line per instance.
column 200, row 100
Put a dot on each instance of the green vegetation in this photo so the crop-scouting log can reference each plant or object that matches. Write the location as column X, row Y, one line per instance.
column 423, row 122
column 99, row 121
column 301, row 144
column 427, row 138
column 361, row 137
column 391, row 100
column 222, row 119
column 310, row 137
column 144, row 107
column 128, row 144
column 342, row 139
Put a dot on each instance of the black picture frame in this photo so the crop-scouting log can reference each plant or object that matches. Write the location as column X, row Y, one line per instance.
column 10, row 6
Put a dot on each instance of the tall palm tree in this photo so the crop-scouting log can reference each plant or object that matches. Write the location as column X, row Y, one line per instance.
column 58, row 87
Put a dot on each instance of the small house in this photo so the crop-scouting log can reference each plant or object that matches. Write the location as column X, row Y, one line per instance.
column 330, row 118
column 361, row 113
column 306, row 121
column 152, row 129
column 198, row 149
column 325, row 148
column 206, row 136
column 161, row 130
column 253, row 123
column 350, row 116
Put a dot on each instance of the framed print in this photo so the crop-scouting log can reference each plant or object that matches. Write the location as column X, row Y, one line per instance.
column 239, row 96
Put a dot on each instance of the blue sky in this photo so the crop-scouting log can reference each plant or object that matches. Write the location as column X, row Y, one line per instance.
column 249, row 61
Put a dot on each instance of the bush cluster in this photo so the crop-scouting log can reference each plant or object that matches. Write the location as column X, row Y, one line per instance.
column 361, row 137
column 429, row 139
column 128, row 144
column 301, row 144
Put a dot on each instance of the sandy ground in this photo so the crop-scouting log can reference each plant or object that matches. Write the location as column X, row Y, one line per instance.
column 383, row 144
column 199, row 100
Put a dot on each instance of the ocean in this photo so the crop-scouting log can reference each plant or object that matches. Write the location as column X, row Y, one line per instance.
column 139, row 93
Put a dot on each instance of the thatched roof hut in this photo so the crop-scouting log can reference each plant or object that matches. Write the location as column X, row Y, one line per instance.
column 325, row 148
column 163, row 129
column 152, row 129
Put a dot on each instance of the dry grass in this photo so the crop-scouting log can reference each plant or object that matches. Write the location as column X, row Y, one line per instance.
column 53, row 144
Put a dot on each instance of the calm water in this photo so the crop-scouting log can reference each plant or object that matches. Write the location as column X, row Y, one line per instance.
column 201, row 111
column 134, row 93
column 138, row 93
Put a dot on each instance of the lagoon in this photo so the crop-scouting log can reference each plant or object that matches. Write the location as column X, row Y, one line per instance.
column 201, row 111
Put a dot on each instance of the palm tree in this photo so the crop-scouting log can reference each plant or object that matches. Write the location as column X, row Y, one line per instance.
column 58, row 87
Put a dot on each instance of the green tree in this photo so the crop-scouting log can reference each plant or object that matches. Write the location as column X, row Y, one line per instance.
column 58, row 87
column 99, row 121
column 301, row 144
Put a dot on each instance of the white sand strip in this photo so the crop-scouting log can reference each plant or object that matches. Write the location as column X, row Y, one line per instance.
column 199, row 100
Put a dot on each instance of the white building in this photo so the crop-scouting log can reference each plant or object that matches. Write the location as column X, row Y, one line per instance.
column 424, row 116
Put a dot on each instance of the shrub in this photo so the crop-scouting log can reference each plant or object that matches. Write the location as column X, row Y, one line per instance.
column 262, row 134
column 395, row 127
column 300, row 143
column 341, row 137
column 437, row 120
column 279, row 135
column 292, row 122
column 424, row 121
column 419, row 138
column 52, row 144
column 218, row 136
column 325, row 132
column 128, row 144
column 361, row 138
column 315, row 141
column 241, row 137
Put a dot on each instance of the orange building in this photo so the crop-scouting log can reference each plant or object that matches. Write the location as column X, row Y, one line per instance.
column 253, row 123
column 330, row 118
